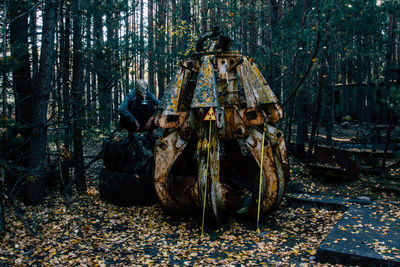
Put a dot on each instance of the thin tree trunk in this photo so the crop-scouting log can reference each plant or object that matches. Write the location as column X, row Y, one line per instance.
column 65, row 70
column 126, row 52
column 161, row 48
column 174, row 25
column 290, row 124
column 204, row 9
column 302, row 117
column 345, row 94
column 253, row 27
column 141, row 41
column 150, row 47
column 111, row 48
column 88, row 64
column 316, row 114
column 35, row 188
column 244, row 25
column 5, row 79
column 77, row 97
column 102, row 71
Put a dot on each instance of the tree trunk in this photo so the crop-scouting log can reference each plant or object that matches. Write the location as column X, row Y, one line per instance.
column 150, row 47
column 111, row 48
column 88, row 83
column 65, row 72
column 35, row 187
column 302, row 117
column 345, row 94
column 161, row 48
column 126, row 55
column 390, row 62
column 273, row 15
column 33, row 34
column 174, row 22
column 141, row 42
column 244, row 25
column 117, row 65
column 253, row 27
column 316, row 114
column 204, row 9
column 77, row 97
column 5, row 79
column 102, row 71
column 18, row 12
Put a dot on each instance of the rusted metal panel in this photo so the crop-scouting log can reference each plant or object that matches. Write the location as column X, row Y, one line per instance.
column 255, row 87
column 167, row 150
column 252, row 116
column 170, row 100
column 205, row 93
column 335, row 163
column 171, row 120
column 171, row 117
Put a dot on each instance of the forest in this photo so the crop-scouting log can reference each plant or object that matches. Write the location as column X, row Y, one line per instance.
column 67, row 65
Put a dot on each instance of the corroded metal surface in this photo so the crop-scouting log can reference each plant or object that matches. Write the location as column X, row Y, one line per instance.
column 243, row 103
column 205, row 93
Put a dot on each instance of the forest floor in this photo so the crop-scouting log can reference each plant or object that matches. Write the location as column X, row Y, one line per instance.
column 88, row 231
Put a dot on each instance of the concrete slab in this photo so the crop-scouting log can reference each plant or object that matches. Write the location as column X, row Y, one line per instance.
column 328, row 202
column 366, row 236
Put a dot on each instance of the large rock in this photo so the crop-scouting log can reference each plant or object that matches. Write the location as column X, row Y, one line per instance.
column 126, row 189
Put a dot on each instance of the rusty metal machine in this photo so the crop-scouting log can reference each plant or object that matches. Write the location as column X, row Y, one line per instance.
column 221, row 157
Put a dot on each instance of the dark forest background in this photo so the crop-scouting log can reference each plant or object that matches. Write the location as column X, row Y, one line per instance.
column 66, row 65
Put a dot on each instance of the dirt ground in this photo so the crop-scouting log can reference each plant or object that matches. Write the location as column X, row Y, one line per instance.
column 87, row 231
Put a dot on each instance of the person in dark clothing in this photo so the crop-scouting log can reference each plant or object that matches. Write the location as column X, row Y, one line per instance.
column 138, row 110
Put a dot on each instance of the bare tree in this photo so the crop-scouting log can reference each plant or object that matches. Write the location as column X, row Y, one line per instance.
column 35, row 187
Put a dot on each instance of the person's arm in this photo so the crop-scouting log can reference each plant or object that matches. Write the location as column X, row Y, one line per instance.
column 124, row 107
column 154, row 101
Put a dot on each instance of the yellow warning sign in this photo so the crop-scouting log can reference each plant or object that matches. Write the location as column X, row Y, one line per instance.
column 210, row 116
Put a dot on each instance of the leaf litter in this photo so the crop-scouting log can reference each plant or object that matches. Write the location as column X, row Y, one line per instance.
column 92, row 232
column 95, row 233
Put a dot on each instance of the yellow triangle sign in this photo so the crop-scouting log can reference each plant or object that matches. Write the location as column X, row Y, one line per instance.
column 210, row 116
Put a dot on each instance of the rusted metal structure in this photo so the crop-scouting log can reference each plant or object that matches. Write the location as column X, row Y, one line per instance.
column 244, row 106
column 335, row 163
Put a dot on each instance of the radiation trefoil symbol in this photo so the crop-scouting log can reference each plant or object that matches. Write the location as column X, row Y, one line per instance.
column 210, row 116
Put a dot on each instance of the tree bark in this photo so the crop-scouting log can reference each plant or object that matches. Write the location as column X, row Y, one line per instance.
column 77, row 97
column 18, row 12
column 161, row 47
column 204, row 10
column 102, row 71
column 35, row 187
column 88, row 74
column 253, row 27
column 150, row 47
column 33, row 34
column 5, row 79
column 141, row 42
column 65, row 72
column 316, row 114
column 244, row 25
column 111, row 50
